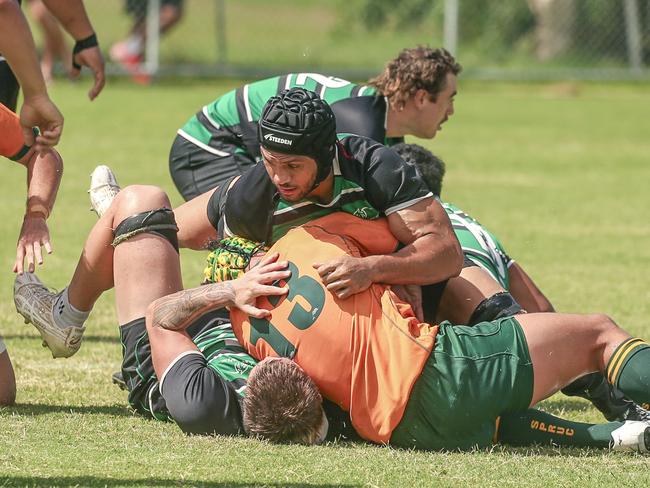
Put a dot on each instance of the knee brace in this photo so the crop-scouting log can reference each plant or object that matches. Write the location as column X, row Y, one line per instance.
column 495, row 307
column 159, row 221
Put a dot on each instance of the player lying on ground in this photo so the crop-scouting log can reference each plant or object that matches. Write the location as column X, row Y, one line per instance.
column 413, row 96
column 484, row 249
column 412, row 384
column 44, row 173
column 479, row 245
column 202, row 381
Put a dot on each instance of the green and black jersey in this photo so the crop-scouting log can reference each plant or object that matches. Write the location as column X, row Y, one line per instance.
column 225, row 355
column 358, row 109
column 479, row 245
column 370, row 181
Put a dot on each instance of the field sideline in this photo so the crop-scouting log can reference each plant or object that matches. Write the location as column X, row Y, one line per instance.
column 558, row 172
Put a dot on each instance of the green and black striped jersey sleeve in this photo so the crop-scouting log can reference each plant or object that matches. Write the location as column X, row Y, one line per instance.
column 358, row 109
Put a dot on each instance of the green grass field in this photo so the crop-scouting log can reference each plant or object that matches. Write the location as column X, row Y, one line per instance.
column 558, row 172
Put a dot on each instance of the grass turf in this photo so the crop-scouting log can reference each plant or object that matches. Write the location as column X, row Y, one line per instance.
column 558, row 172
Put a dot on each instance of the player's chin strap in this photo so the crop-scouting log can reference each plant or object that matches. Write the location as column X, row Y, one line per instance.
column 230, row 259
column 497, row 306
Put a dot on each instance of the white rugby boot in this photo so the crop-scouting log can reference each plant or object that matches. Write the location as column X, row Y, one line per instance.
column 633, row 435
column 103, row 188
column 35, row 303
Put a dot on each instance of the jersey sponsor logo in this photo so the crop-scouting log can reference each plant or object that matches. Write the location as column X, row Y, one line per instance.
column 278, row 140
column 363, row 212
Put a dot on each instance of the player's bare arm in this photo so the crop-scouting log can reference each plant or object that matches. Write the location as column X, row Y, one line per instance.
column 176, row 311
column 526, row 292
column 432, row 254
column 169, row 316
column 72, row 15
column 194, row 229
column 44, row 172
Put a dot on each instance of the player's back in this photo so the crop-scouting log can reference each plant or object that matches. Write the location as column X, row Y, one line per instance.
column 357, row 108
column 364, row 352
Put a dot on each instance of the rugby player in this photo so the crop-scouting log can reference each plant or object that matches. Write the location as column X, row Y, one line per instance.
column 479, row 245
column 413, row 384
column 44, row 173
column 414, row 95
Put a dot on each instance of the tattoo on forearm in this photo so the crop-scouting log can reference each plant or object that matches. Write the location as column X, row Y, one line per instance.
column 177, row 311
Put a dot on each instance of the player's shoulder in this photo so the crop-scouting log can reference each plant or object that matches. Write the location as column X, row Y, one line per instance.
column 366, row 151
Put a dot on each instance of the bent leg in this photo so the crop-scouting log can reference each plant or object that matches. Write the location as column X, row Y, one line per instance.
column 564, row 347
column 143, row 268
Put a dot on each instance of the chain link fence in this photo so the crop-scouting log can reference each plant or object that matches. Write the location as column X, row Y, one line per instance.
column 506, row 39
column 543, row 39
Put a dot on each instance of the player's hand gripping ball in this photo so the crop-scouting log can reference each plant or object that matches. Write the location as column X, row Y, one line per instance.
column 231, row 259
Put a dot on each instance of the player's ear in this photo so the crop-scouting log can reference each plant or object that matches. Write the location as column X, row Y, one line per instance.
column 421, row 97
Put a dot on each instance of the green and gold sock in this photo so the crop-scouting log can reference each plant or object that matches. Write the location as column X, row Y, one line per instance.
column 629, row 370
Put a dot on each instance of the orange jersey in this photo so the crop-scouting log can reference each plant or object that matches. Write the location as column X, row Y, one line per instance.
column 12, row 141
column 365, row 352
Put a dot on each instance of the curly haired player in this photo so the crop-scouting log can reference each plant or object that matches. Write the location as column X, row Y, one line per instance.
column 414, row 95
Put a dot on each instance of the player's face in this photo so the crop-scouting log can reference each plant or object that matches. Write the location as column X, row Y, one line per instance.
column 292, row 175
column 433, row 113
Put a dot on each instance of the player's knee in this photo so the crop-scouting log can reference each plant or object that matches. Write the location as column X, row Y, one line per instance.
column 497, row 306
column 138, row 198
column 157, row 221
column 601, row 323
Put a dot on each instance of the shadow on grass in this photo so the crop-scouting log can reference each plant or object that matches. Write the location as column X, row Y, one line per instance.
column 35, row 409
column 87, row 338
column 72, row 481
column 564, row 404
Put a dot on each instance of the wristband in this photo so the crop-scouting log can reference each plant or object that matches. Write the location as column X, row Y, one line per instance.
column 88, row 42
column 38, row 208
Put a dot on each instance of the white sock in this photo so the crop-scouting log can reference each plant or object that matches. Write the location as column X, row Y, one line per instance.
column 66, row 315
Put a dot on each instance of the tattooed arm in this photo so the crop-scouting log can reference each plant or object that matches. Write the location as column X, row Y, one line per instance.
column 168, row 317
